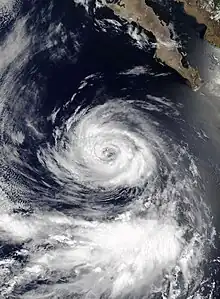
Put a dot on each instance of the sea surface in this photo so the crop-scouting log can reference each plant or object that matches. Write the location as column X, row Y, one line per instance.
column 110, row 168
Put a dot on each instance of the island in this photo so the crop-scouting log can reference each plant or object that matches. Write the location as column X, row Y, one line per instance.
column 167, row 51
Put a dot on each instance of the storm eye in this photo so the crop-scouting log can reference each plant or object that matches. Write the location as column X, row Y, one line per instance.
column 109, row 154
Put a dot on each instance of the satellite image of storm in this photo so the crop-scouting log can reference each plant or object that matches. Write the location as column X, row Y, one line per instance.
column 109, row 149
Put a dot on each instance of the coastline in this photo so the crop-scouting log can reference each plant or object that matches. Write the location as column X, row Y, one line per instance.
column 167, row 49
column 204, row 15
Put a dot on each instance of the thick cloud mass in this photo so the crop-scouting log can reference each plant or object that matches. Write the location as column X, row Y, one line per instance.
column 99, row 199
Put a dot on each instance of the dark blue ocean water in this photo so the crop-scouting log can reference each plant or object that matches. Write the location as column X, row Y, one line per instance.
column 106, row 55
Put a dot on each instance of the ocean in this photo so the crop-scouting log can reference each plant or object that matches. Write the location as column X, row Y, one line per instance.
column 109, row 162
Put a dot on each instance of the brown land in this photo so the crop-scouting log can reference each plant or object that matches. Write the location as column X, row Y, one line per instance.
column 203, row 15
column 166, row 50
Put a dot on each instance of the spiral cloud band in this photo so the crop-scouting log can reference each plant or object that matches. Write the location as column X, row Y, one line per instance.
column 98, row 200
column 104, row 150
column 151, row 243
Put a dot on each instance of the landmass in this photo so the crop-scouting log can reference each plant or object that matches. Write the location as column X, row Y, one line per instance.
column 167, row 49
column 206, row 12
